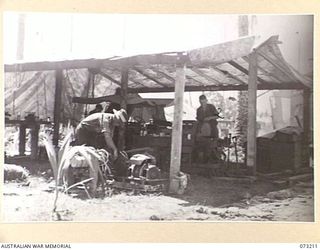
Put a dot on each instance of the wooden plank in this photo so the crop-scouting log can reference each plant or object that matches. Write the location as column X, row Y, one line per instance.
column 221, row 53
column 207, row 77
column 143, row 60
column 124, row 87
column 252, row 113
column 109, row 77
column 273, row 77
column 34, row 141
column 149, row 77
column 93, row 85
column 137, row 83
column 176, row 141
column 57, row 106
column 44, row 66
column 22, row 139
column 123, row 104
column 116, row 81
column 89, row 84
column 193, row 80
column 164, row 74
column 242, row 69
column 231, row 87
column 228, row 74
column 96, row 100
column 277, row 65
column 306, row 116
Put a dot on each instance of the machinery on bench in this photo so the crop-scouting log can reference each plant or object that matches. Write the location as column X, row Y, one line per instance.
column 136, row 168
column 132, row 170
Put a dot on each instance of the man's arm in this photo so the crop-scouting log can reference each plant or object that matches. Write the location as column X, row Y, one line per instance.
column 199, row 116
column 111, row 144
column 214, row 114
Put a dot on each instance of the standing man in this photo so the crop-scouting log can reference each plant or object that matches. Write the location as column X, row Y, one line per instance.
column 207, row 113
column 95, row 124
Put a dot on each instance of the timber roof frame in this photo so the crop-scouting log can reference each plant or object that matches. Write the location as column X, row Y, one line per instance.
column 218, row 67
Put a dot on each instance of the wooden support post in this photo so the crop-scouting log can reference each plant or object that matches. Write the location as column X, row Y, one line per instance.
column 306, row 115
column 57, row 107
column 123, row 104
column 34, row 141
column 93, row 84
column 176, row 141
column 252, row 113
column 22, row 139
column 307, row 135
column 90, row 83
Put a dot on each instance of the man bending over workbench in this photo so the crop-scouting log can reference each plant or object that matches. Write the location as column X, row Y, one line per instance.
column 96, row 124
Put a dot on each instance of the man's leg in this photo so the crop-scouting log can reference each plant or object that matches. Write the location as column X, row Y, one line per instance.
column 214, row 131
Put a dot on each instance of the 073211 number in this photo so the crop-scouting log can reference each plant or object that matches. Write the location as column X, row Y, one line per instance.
column 308, row 246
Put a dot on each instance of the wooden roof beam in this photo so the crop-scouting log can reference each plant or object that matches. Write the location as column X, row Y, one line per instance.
column 242, row 87
column 187, row 88
column 149, row 77
column 276, row 65
column 208, row 78
column 138, row 83
column 145, row 60
column 116, row 81
column 195, row 80
column 46, row 66
column 100, row 72
column 274, row 78
column 242, row 69
column 164, row 74
column 226, row 73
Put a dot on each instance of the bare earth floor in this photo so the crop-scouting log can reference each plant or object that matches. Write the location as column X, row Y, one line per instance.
column 206, row 200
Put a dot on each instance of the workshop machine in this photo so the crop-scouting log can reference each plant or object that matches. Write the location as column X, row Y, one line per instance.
column 138, row 172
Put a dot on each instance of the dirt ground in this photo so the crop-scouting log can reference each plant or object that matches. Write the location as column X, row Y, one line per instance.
column 207, row 199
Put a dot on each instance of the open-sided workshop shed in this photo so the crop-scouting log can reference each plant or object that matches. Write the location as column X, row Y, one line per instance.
column 234, row 65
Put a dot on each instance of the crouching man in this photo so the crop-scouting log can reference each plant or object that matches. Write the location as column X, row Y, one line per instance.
column 96, row 124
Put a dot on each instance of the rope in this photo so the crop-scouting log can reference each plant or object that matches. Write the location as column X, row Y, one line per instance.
column 104, row 161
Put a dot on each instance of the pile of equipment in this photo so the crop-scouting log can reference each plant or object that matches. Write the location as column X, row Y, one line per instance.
column 139, row 172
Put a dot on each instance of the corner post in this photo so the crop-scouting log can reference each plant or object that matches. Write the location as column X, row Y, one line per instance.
column 307, row 143
column 252, row 113
column 176, row 140
column 306, row 115
column 123, row 104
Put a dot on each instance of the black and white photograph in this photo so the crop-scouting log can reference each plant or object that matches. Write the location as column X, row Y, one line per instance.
column 158, row 117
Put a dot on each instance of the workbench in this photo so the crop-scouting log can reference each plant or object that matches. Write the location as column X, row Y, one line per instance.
column 34, row 126
column 162, row 148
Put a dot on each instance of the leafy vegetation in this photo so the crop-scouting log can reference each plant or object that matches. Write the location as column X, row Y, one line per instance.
column 60, row 164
